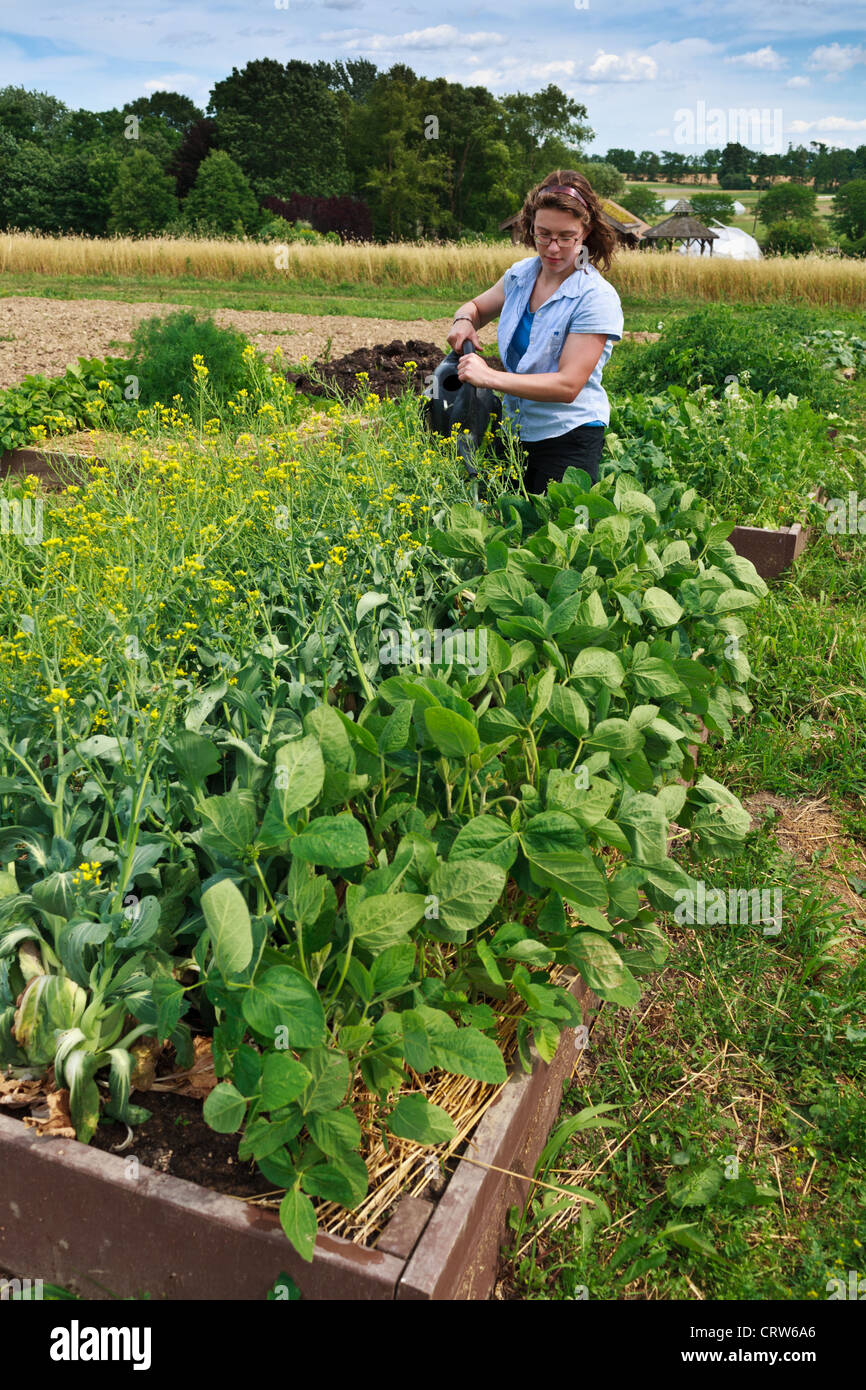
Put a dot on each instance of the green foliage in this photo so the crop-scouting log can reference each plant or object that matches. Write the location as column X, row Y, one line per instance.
column 221, row 199
column 756, row 456
column 715, row 345
column 162, row 353
column 143, row 201
column 607, row 181
column 795, row 238
column 709, row 205
column 849, row 210
column 644, row 203
column 795, row 202
column 92, row 393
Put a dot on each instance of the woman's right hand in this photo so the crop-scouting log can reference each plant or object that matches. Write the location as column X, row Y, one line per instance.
column 463, row 331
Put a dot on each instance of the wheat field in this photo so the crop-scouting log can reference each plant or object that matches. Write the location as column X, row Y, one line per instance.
column 825, row 280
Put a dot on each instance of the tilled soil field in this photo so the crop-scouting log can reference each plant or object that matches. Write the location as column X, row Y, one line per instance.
column 44, row 335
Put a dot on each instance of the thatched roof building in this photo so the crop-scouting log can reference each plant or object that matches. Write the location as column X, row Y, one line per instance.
column 682, row 225
column 628, row 228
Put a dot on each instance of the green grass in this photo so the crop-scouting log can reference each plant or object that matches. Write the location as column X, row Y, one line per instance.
column 296, row 297
column 741, row 1071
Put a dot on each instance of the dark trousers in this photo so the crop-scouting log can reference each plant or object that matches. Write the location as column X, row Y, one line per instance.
column 547, row 459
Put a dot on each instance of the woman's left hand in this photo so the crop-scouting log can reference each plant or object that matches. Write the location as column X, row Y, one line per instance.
column 474, row 369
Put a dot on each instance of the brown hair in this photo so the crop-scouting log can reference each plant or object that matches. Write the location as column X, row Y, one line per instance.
column 600, row 240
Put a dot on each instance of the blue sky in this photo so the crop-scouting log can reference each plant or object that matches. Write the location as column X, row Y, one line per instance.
column 645, row 71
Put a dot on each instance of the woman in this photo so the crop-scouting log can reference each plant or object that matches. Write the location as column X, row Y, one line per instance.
column 558, row 321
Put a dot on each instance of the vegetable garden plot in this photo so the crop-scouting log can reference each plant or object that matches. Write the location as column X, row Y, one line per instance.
column 199, row 839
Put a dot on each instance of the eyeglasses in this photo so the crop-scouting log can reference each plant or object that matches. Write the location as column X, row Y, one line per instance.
column 561, row 238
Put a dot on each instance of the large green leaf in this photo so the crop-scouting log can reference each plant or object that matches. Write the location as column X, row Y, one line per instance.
column 335, row 1131
column 299, row 774
column 453, row 735
column 486, row 837
column 384, row 919
column 224, row 1108
column 330, row 1075
column 283, row 1079
column 601, row 966
column 298, row 1220
column 662, row 607
column 229, row 822
column 228, row 921
column 283, row 999
column 415, row 1117
column 569, row 710
column 573, row 873
column 465, row 894
column 594, row 663
column 334, row 842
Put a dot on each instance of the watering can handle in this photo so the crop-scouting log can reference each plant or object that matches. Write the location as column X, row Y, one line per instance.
column 468, row 347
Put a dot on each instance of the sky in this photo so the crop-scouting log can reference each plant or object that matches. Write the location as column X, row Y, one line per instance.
column 652, row 76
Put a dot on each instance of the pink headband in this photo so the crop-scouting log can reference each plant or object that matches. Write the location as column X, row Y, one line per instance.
column 565, row 188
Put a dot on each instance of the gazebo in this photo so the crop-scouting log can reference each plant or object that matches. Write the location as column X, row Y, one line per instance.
column 682, row 225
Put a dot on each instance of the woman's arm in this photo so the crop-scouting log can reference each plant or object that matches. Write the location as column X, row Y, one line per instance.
column 577, row 362
column 478, row 312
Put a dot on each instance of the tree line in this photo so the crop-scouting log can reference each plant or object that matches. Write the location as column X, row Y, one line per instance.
column 354, row 151
column 419, row 156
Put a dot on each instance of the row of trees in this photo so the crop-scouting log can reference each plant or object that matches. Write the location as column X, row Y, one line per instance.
column 353, row 150
column 736, row 166
column 426, row 156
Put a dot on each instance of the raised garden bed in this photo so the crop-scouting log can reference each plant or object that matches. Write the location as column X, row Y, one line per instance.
column 105, row 1227
column 772, row 550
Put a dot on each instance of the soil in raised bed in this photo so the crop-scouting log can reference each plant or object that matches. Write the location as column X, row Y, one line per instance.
column 177, row 1140
column 384, row 365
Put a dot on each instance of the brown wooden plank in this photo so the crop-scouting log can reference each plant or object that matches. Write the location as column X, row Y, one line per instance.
column 97, row 1224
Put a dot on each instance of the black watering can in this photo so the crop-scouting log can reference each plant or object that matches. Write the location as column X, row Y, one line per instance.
column 451, row 402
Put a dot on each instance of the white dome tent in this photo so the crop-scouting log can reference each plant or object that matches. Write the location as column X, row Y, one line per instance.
column 733, row 243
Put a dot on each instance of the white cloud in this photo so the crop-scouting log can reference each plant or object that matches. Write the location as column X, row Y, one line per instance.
column 835, row 58
column 799, row 82
column 766, row 59
column 628, row 67
column 827, row 123
column 417, row 40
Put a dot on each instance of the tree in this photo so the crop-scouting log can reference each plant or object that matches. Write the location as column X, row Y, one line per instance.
column 283, row 126
column 718, row 205
column 27, row 185
column 643, row 203
column 544, row 130
column 735, row 162
column 786, row 202
column 177, row 110
column 221, row 198
column 84, row 185
column 849, row 209
column 354, row 76
column 791, row 237
column 195, row 146
column 607, row 181
column 143, row 200
column 626, row 160
column 32, row 116
column 673, row 165
column 650, row 166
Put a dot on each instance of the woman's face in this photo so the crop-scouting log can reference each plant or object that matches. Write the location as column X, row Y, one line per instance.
column 558, row 256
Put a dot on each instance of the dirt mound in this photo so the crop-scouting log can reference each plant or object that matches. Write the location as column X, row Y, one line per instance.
column 384, row 365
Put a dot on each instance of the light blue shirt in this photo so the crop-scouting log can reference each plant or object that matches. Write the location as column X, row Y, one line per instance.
column 584, row 303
